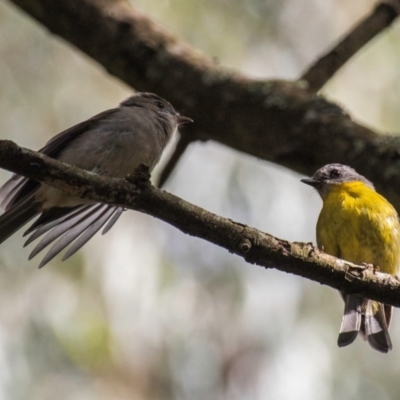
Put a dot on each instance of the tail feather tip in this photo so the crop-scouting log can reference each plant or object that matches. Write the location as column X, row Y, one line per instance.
column 346, row 338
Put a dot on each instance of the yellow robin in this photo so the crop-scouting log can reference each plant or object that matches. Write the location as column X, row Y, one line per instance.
column 359, row 225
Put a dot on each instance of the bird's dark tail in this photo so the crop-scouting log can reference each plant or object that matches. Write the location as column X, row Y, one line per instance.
column 16, row 217
column 369, row 318
column 376, row 326
column 351, row 321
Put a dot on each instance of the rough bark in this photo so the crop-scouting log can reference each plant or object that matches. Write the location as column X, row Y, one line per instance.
column 256, row 247
column 279, row 121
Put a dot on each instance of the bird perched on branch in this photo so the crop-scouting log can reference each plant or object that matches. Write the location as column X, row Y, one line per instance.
column 114, row 142
column 358, row 225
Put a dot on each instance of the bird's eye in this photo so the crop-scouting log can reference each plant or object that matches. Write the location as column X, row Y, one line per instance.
column 160, row 105
column 335, row 173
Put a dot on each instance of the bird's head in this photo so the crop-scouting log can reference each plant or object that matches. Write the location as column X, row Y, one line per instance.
column 332, row 175
column 162, row 108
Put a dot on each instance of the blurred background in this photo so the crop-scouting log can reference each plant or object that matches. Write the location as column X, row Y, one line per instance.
column 147, row 312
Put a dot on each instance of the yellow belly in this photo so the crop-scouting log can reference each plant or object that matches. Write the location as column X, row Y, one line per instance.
column 360, row 226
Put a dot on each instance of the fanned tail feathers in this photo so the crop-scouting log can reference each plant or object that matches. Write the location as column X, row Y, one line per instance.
column 61, row 225
column 78, row 226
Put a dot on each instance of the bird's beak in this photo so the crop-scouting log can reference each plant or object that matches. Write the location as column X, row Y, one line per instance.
column 312, row 182
column 183, row 120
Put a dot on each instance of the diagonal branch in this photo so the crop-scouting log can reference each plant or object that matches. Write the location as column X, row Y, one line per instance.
column 384, row 13
column 252, row 245
column 276, row 121
column 325, row 67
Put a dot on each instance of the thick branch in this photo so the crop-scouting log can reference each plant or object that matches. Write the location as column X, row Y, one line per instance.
column 325, row 67
column 277, row 121
column 253, row 245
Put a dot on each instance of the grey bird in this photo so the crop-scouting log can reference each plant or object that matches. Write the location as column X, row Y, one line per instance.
column 114, row 142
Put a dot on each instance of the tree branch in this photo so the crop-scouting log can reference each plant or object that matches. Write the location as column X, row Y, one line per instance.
column 277, row 121
column 325, row 67
column 256, row 247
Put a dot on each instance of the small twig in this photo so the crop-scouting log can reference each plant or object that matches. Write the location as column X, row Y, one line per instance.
column 326, row 66
column 183, row 143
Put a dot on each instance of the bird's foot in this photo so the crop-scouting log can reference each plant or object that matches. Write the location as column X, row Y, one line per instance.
column 375, row 268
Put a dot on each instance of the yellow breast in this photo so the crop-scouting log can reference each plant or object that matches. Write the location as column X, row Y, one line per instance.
column 359, row 225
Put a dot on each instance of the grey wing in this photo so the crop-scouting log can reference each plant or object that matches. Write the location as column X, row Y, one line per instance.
column 58, row 142
column 9, row 191
column 19, row 188
column 63, row 225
